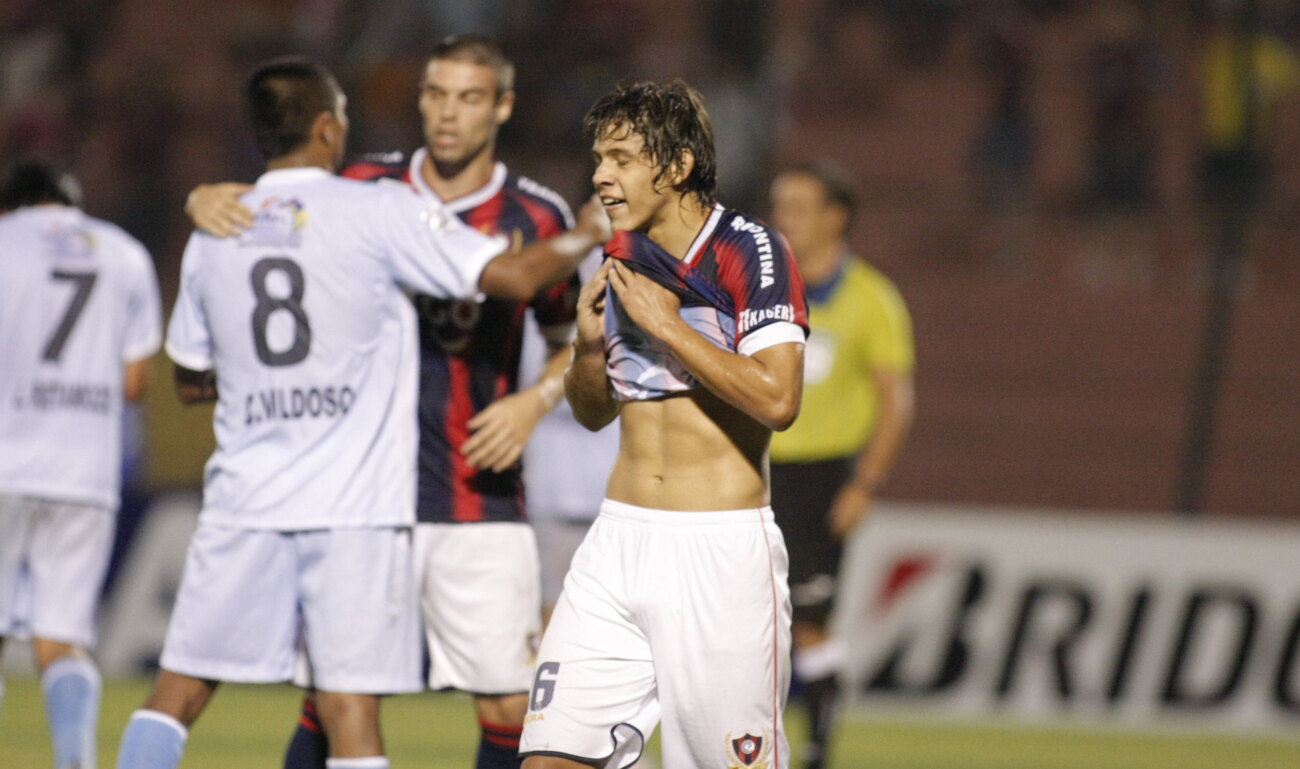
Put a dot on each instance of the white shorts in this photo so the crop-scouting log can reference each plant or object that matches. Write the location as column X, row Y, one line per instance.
column 250, row 599
column 681, row 614
column 557, row 540
column 53, row 557
column 479, row 596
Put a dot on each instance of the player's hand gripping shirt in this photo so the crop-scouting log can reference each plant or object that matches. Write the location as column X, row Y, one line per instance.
column 301, row 317
column 738, row 286
column 470, row 347
column 78, row 300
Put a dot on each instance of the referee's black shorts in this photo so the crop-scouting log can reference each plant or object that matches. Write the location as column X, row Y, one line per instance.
column 802, row 493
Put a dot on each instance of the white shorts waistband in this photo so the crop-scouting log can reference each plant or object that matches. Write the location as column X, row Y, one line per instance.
column 623, row 512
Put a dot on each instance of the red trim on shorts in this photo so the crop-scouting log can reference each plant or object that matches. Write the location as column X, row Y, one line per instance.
column 776, row 652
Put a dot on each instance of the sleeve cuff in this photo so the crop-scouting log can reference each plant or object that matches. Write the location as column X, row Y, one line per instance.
column 192, row 362
column 769, row 336
column 142, row 349
column 475, row 263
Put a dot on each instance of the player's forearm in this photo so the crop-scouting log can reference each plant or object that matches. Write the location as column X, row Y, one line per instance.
column 767, row 389
column 586, row 386
column 194, row 386
column 549, row 386
column 894, row 423
column 520, row 274
column 135, row 379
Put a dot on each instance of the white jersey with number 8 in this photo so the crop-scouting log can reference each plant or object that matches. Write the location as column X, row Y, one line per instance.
column 78, row 300
column 304, row 321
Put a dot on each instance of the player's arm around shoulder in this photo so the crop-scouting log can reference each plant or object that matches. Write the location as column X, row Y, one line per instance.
column 217, row 210
column 519, row 274
column 586, row 385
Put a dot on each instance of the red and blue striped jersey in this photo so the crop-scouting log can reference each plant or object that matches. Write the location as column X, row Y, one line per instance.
column 739, row 287
column 469, row 349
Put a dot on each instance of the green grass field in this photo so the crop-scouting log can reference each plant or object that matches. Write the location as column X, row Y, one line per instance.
column 247, row 727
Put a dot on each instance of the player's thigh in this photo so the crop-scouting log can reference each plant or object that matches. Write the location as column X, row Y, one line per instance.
column 480, row 598
column 17, row 520
column 594, row 691
column 236, row 612
column 67, row 560
column 721, row 640
column 361, row 625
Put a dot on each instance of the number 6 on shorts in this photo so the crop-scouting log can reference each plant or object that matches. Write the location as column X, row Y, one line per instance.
column 543, row 688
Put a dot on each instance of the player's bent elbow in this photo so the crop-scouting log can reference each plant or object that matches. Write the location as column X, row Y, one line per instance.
column 593, row 420
column 591, row 415
column 782, row 413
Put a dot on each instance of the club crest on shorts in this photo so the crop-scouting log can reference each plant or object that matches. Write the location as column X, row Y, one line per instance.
column 749, row 751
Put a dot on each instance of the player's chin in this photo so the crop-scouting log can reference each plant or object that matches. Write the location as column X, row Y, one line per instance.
column 450, row 155
column 620, row 218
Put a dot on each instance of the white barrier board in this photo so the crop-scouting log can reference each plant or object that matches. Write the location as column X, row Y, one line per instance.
column 1133, row 620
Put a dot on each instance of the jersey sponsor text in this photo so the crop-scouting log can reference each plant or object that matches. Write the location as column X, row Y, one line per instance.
column 764, row 243
column 751, row 318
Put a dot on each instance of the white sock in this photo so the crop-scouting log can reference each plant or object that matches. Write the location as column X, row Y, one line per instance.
column 367, row 762
column 152, row 740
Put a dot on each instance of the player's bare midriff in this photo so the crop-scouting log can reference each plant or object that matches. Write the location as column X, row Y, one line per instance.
column 690, row 452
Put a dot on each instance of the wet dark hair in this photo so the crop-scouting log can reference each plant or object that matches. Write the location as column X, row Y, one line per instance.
column 481, row 50
column 670, row 119
column 837, row 185
column 32, row 181
column 283, row 97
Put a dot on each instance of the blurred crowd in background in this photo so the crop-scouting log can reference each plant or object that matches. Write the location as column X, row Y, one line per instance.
column 1057, row 186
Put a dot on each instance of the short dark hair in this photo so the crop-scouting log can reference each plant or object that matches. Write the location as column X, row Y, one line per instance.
column 670, row 119
column 32, row 181
column 283, row 97
column 481, row 50
column 838, row 186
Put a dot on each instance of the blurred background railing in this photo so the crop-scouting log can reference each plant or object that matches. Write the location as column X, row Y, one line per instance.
column 1057, row 186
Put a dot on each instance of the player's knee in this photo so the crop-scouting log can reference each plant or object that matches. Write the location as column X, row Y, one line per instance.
column 179, row 696
column 353, row 709
column 47, row 652
column 503, row 709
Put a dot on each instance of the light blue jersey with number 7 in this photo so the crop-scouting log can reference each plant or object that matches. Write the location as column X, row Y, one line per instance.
column 78, row 300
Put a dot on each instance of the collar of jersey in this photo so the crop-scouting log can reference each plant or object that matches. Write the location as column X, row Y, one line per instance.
column 465, row 202
column 821, row 292
column 46, row 210
column 291, row 175
column 706, row 232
